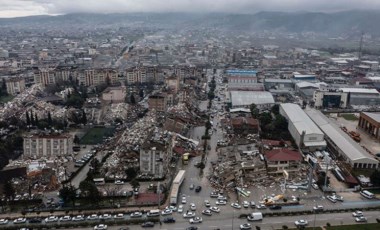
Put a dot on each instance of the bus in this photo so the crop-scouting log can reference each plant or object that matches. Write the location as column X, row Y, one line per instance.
column 367, row 194
column 99, row 181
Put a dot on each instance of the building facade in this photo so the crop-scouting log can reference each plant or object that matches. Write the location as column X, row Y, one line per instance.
column 158, row 102
column 15, row 85
column 37, row 146
column 152, row 160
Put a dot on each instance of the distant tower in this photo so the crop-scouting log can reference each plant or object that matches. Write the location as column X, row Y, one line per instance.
column 361, row 46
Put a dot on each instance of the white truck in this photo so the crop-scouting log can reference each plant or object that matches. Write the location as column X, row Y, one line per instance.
column 255, row 216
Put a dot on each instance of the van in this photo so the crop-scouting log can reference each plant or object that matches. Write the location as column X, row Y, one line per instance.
column 255, row 216
column 367, row 194
column 155, row 212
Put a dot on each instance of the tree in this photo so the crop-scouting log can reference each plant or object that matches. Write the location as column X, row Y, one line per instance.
column 134, row 183
column 32, row 121
column 76, row 139
column 49, row 120
column 141, row 93
column 131, row 173
column 89, row 189
column 68, row 194
column 35, row 119
column 375, row 178
column 280, row 122
column 265, row 119
column 27, row 118
column 84, row 117
column 4, row 88
column 275, row 109
column 254, row 110
column 133, row 100
column 9, row 191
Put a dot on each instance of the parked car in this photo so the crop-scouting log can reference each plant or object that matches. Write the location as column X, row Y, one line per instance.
column 63, row 219
column 301, row 223
column 361, row 219
column 147, row 225
column 198, row 188
column 180, row 209
column 221, row 202
column 207, row 203
column 166, row 212
column 20, row 220
column 275, row 207
column 195, row 220
column 357, row 214
column 51, row 219
column 188, row 214
column 3, row 221
column 318, row 208
column 215, row 209
column 136, row 214
column 169, row 220
column 100, row 227
column 245, row 226
column 191, row 186
column 207, row 212
column 93, row 217
column 236, row 205
column 245, row 204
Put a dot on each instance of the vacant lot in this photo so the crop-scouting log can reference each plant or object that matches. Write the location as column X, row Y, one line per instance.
column 96, row 135
column 375, row 226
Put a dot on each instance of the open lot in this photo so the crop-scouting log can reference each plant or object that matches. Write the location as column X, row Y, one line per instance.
column 95, row 135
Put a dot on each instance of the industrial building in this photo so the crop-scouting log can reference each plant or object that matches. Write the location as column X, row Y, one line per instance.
column 274, row 83
column 340, row 143
column 370, row 123
column 303, row 130
column 262, row 99
column 362, row 96
column 330, row 99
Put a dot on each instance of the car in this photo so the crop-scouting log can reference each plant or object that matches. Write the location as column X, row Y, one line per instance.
column 136, row 214
column 215, row 209
column 245, row 204
column 93, row 217
column 207, row 203
column 183, row 200
column 357, row 214
column 337, row 197
column 20, row 220
column 166, row 212
column 119, row 216
column 100, row 227
column 51, row 219
column 171, row 207
column 331, row 198
column 105, row 216
column 192, row 228
column 214, row 195
column 188, row 214
column 315, row 186
column 245, row 226
column 198, row 188
column 191, row 186
column 35, row 220
column 64, row 218
column 220, row 197
column 275, row 207
column 261, row 206
column 119, row 182
column 180, row 208
column 195, row 220
column 169, row 220
column 147, row 225
column 318, row 208
column 207, row 212
column 78, row 218
column 301, row 222
column 193, row 207
column 236, row 205
column 361, row 219
column 252, row 204
column 3, row 221
column 221, row 202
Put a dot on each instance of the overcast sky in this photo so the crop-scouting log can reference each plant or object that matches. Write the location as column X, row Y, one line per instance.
column 16, row 8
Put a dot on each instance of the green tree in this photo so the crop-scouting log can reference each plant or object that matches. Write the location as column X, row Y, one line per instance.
column 275, row 109
column 131, row 173
column 254, row 110
column 280, row 122
column 49, row 120
column 9, row 191
column 27, row 118
column 84, row 117
column 4, row 88
column 76, row 139
column 134, row 183
column 68, row 194
column 35, row 119
column 375, row 178
column 32, row 121
column 265, row 119
column 133, row 100
column 89, row 190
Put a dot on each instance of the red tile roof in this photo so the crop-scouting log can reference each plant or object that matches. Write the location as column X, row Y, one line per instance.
column 283, row 155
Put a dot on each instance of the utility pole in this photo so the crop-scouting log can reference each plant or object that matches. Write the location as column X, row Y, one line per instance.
column 327, row 168
column 159, row 194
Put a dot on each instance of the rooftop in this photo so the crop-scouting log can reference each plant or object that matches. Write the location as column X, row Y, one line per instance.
column 360, row 90
column 283, row 155
column 242, row 98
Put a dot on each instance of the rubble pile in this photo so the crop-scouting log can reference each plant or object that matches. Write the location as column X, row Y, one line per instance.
column 119, row 110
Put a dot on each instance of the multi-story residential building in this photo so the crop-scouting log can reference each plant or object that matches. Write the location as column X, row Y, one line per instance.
column 158, row 102
column 153, row 160
column 172, row 82
column 36, row 146
column 15, row 85
column 279, row 160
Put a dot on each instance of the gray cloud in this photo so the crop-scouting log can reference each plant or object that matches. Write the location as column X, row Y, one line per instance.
column 32, row 7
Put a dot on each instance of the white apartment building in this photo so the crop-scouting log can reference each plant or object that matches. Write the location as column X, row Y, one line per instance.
column 152, row 160
column 15, row 85
column 37, row 146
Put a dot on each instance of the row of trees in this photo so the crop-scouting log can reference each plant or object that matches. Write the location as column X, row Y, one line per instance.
column 3, row 88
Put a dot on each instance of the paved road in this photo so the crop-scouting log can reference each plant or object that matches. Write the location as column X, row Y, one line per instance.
column 226, row 221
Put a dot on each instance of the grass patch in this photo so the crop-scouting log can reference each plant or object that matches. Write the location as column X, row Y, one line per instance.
column 5, row 99
column 96, row 135
column 374, row 226
column 365, row 172
column 349, row 117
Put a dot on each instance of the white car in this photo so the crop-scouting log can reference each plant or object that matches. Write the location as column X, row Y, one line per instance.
column 253, row 205
column 64, row 218
column 331, row 198
column 51, row 219
column 215, row 209
column 20, row 220
column 318, row 208
column 136, row 214
column 188, row 214
column 105, row 216
column 180, row 209
column 261, row 206
column 207, row 212
column 301, row 223
column 220, row 197
column 166, row 212
column 183, row 200
column 173, row 208
column 236, row 205
column 3, row 221
column 357, row 213
column 245, row 204
column 78, row 218
column 100, row 227
column 119, row 216
column 93, row 217
column 221, row 202
column 195, row 220
column 207, row 203
column 245, row 226
column 193, row 207
column 119, row 182
column 361, row 219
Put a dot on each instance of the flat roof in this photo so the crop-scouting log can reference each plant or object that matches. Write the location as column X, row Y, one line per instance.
column 241, row 72
column 359, row 90
column 300, row 120
column 277, row 80
column 241, row 98
column 348, row 146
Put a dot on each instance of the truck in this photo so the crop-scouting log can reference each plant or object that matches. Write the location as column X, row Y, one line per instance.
column 175, row 187
column 255, row 216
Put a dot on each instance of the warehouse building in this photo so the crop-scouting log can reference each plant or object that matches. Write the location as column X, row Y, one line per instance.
column 330, row 99
column 339, row 142
column 303, row 130
column 243, row 99
column 362, row 96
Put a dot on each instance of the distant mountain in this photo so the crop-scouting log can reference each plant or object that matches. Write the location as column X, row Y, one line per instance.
column 345, row 22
